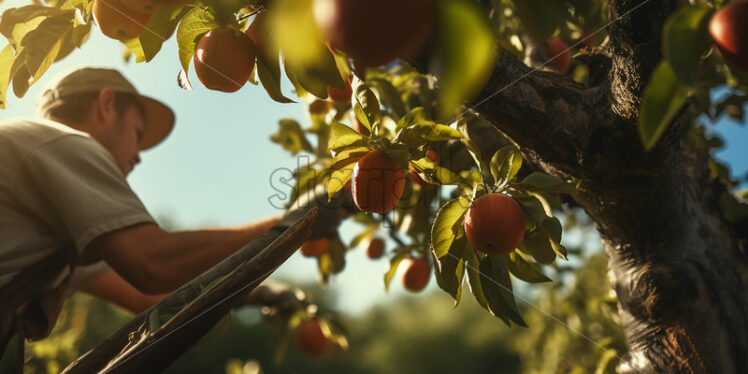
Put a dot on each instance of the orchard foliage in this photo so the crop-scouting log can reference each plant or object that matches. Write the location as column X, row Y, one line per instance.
column 398, row 110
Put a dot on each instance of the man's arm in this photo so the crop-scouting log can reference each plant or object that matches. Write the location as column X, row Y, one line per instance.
column 156, row 262
column 112, row 287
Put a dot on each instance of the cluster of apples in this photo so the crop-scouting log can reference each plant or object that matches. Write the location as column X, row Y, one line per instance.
column 318, row 247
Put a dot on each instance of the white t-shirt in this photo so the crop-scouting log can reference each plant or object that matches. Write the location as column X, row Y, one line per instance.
column 58, row 187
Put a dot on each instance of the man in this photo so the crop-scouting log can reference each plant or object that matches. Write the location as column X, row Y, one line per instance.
column 68, row 218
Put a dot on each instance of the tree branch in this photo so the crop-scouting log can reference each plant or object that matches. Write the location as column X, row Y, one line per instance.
column 635, row 38
column 548, row 115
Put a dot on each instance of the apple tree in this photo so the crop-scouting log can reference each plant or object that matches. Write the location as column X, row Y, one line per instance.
column 420, row 110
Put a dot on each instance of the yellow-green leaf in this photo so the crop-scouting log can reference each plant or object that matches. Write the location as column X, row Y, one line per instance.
column 468, row 52
column 449, row 269
column 505, row 164
column 160, row 27
column 268, row 70
column 366, row 105
column 497, row 286
column 524, row 270
column 194, row 24
column 15, row 23
column 291, row 137
column 394, row 263
column 415, row 115
column 472, row 266
column 295, row 32
column 342, row 136
column 446, row 225
column 663, row 99
column 541, row 182
column 42, row 45
column 539, row 246
column 6, row 69
column 421, row 133
column 339, row 178
column 685, row 39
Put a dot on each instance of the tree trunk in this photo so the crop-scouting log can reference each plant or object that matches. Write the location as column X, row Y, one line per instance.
column 677, row 265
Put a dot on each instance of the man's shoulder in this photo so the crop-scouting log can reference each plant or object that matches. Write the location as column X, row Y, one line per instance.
column 38, row 127
column 23, row 135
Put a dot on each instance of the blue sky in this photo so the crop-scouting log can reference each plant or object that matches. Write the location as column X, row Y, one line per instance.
column 215, row 167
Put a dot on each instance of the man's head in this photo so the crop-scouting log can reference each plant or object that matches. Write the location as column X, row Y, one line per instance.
column 104, row 104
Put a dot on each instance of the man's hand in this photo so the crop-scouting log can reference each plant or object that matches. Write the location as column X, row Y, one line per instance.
column 276, row 298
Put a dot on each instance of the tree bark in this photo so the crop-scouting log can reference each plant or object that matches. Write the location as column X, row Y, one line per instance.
column 677, row 265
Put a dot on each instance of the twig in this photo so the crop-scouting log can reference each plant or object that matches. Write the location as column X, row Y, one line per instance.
column 393, row 232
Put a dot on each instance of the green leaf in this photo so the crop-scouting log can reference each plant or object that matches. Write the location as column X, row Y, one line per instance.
column 194, row 24
column 306, row 180
column 309, row 82
column 450, row 270
column 134, row 48
column 732, row 210
column 315, row 78
column 538, row 245
column 358, row 239
column 430, row 172
column 6, row 72
column 42, row 45
column 389, row 95
column 505, row 164
column 300, row 91
column 421, row 133
column 15, row 23
column 608, row 362
column 394, row 263
column 291, row 137
column 523, row 270
column 344, row 67
column 366, row 106
column 541, row 182
column 349, row 155
column 552, row 227
column 685, row 40
column 423, row 164
column 448, row 225
column 83, row 5
column 160, row 27
column 268, row 70
column 472, row 265
column 337, row 255
column 469, row 179
column 497, row 286
column 468, row 52
column 473, row 148
column 325, row 266
column 21, row 76
column 339, row 178
column 342, row 136
column 294, row 29
column 73, row 39
column 663, row 98
column 415, row 115
column 533, row 210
